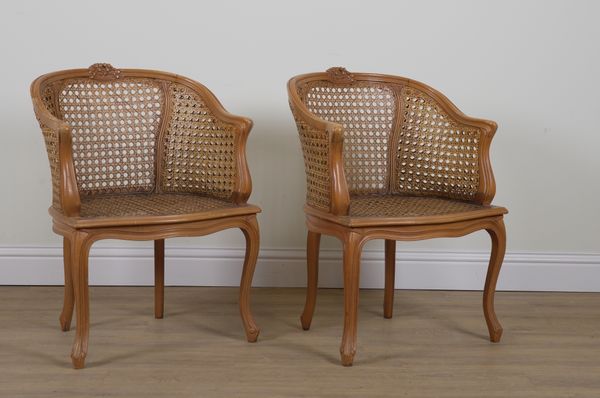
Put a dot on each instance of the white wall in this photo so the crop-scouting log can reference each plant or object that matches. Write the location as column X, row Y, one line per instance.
column 530, row 66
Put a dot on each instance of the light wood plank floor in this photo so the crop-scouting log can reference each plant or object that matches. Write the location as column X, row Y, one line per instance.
column 436, row 345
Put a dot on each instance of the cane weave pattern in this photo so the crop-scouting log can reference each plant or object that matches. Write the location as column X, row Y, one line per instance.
column 51, row 141
column 199, row 149
column 435, row 155
column 49, row 100
column 397, row 206
column 131, row 205
column 114, row 126
column 367, row 113
column 315, row 149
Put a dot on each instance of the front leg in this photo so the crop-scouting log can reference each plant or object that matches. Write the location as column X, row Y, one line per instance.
column 313, row 242
column 352, row 248
column 69, row 299
column 251, row 233
column 498, row 235
column 80, row 247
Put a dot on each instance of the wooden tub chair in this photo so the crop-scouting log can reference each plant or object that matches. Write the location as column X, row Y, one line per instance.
column 140, row 155
column 390, row 158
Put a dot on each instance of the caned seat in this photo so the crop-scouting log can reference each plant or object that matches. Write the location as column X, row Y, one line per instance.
column 161, row 208
column 369, row 210
column 390, row 158
column 140, row 155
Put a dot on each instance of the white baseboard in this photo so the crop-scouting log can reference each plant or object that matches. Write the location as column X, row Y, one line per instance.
column 286, row 268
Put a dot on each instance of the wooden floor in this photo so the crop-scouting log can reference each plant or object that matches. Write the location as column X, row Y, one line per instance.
column 436, row 345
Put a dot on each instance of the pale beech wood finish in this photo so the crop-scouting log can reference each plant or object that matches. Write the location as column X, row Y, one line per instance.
column 159, row 278
column 375, row 120
column 216, row 200
column 435, row 346
column 313, row 243
column 390, row 278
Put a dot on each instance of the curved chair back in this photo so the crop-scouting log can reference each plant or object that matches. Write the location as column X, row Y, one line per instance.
column 399, row 136
column 137, row 131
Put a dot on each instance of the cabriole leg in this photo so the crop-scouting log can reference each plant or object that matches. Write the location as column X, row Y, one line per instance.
column 251, row 233
column 498, row 235
column 352, row 249
column 313, row 243
column 80, row 246
column 69, row 298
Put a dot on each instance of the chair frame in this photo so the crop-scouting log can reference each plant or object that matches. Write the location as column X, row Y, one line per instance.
column 79, row 233
column 354, row 233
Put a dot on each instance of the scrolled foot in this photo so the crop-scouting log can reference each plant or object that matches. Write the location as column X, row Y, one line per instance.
column 252, row 335
column 496, row 334
column 78, row 360
column 347, row 355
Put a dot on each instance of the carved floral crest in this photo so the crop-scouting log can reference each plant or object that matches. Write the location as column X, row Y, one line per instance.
column 103, row 72
column 339, row 74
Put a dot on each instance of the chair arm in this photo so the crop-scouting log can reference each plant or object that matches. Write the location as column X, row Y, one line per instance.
column 322, row 146
column 243, row 183
column 487, row 183
column 242, row 187
column 61, row 152
column 479, row 133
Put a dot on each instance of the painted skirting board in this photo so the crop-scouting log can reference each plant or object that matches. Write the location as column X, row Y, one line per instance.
column 189, row 266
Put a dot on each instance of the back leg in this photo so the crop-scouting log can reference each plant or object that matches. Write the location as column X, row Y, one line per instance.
column 69, row 297
column 390, row 276
column 313, row 242
column 159, row 278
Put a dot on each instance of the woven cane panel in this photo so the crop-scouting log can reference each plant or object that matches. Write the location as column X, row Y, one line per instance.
column 199, row 149
column 114, row 126
column 49, row 100
column 367, row 113
column 51, row 141
column 129, row 205
column 436, row 155
column 315, row 148
column 406, row 206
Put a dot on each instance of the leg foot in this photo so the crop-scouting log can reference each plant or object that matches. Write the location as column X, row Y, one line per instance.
column 78, row 360
column 347, row 356
column 251, row 233
column 159, row 278
column 352, row 248
column 390, row 276
column 69, row 298
column 496, row 335
column 313, row 242
column 498, row 235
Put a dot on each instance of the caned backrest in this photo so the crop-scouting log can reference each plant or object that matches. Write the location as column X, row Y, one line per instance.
column 136, row 131
column 367, row 111
column 400, row 137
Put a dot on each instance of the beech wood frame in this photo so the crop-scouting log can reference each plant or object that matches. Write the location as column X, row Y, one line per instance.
column 354, row 232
